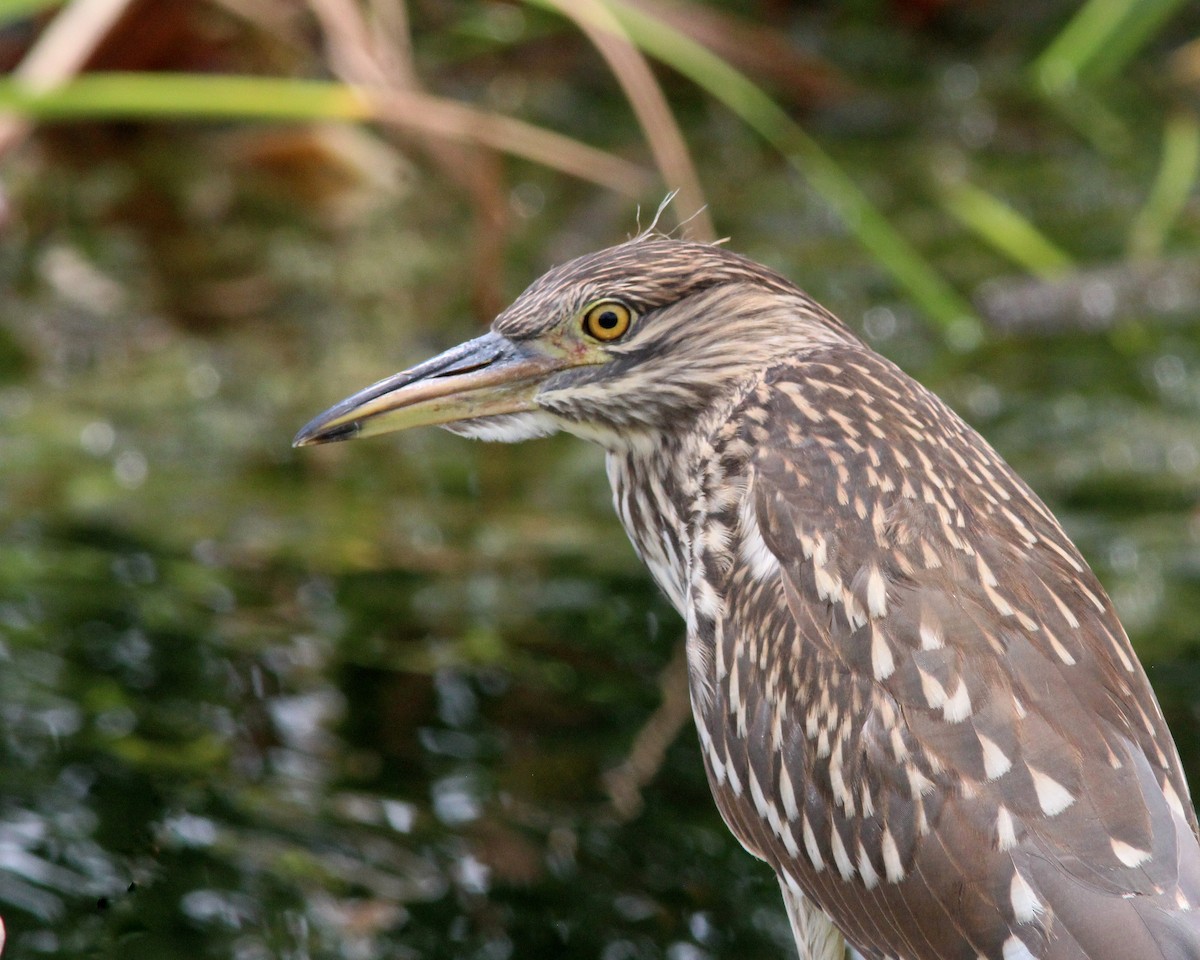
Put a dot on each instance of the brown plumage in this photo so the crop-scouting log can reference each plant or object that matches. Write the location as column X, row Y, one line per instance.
column 914, row 699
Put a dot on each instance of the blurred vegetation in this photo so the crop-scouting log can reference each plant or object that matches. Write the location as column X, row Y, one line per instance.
column 360, row 701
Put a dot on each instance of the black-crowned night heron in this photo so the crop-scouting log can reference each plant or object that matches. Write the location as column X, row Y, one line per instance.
column 914, row 699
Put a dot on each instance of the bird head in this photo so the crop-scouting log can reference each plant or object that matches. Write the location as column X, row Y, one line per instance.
column 630, row 342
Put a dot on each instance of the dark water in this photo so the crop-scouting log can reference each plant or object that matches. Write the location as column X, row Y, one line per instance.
column 359, row 701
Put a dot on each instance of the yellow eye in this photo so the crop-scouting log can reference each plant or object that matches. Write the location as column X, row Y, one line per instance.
column 607, row 320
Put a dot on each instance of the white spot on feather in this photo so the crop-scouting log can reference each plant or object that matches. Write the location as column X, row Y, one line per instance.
column 1072, row 620
column 989, row 587
column 734, row 783
column 892, row 865
column 791, row 882
column 1006, row 831
column 756, row 794
column 1015, row 949
column 840, row 857
column 1173, row 799
column 922, row 820
column 931, row 636
column 866, row 868
column 1096, row 601
column 1060, row 651
column 787, row 793
column 801, row 402
column 918, row 783
column 985, row 572
column 855, row 617
column 1120, row 644
column 1064, row 553
column 995, row 761
column 1025, row 904
column 789, row 841
column 876, row 593
column 1052, row 796
column 819, row 552
column 810, row 844
column 868, row 803
column 929, row 556
column 1027, row 622
column 931, row 687
column 734, row 686
column 829, row 586
column 1028, row 535
column 958, row 707
column 882, row 663
column 1129, row 855
column 837, row 782
column 717, row 764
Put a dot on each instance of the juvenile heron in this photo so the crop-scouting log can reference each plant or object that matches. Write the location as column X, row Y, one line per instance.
column 914, row 699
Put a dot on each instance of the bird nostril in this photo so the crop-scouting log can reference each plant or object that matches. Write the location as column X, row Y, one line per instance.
column 455, row 371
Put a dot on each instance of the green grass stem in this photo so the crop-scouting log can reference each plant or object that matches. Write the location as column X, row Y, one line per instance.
column 1097, row 43
column 758, row 111
column 185, row 97
column 1177, row 175
column 1004, row 229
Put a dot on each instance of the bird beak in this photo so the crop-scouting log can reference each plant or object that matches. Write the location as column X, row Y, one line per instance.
column 487, row 376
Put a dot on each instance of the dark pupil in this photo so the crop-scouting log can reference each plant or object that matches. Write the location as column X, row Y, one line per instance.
column 608, row 319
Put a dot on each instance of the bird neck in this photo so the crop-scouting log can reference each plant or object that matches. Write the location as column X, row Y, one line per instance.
column 653, row 510
column 657, row 488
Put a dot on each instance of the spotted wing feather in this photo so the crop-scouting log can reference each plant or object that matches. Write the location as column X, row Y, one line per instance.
column 922, row 709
